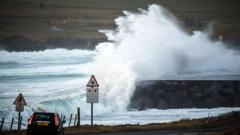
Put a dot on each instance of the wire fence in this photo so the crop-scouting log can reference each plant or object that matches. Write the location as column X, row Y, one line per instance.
column 72, row 121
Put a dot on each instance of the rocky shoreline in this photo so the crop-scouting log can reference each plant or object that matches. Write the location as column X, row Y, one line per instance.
column 20, row 43
column 185, row 94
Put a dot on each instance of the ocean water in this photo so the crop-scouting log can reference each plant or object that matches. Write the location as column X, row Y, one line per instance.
column 44, row 78
column 55, row 80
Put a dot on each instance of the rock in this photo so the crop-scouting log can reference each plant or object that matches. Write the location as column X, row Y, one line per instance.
column 237, row 88
column 185, row 94
column 148, row 103
column 236, row 102
column 161, row 93
column 182, row 94
column 188, row 104
column 210, row 102
column 196, row 91
column 22, row 43
column 161, row 104
column 204, row 84
column 229, row 90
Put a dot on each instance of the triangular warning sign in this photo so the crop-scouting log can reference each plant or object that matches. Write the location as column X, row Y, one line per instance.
column 20, row 100
column 92, row 82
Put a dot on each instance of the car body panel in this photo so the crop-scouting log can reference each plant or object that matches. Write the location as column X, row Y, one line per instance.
column 45, row 124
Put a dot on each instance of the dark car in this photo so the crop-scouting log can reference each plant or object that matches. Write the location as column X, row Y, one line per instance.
column 45, row 124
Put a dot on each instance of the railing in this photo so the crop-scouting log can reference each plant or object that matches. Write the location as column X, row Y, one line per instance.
column 2, row 123
column 73, row 120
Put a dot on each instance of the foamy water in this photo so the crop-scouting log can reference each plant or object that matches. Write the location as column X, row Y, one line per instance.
column 145, row 45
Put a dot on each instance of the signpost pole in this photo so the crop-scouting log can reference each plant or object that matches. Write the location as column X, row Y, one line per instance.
column 92, row 93
column 20, row 103
column 91, row 114
column 78, row 116
column 19, row 120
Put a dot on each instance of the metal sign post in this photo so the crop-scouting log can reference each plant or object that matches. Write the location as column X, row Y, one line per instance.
column 78, row 116
column 91, row 114
column 20, row 103
column 92, row 93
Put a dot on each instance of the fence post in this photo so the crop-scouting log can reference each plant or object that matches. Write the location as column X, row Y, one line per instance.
column 70, row 121
column 63, row 119
column 78, row 116
column 75, row 120
column 1, row 125
column 11, row 124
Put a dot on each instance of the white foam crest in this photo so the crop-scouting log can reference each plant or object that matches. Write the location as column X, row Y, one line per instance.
column 150, row 45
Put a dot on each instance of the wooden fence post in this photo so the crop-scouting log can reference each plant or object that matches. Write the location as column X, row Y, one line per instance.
column 1, row 125
column 75, row 120
column 70, row 120
column 61, row 117
column 11, row 124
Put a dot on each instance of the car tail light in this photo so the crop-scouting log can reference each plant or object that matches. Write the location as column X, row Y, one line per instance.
column 30, row 120
column 56, row 120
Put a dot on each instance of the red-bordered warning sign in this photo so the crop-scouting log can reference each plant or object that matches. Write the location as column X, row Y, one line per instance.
column 20, row 101
column 19, row 108
column 92, row 82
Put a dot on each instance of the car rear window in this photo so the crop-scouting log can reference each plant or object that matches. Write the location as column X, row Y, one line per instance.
column 44, row 117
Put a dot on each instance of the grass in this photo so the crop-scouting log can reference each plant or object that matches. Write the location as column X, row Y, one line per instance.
column 229, row 119
column 203, row 123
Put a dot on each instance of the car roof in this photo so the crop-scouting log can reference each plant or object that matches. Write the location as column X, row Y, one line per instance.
column 44, row 113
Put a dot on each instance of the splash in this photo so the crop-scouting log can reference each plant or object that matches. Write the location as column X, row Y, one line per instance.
column 150, row 45
column 155, row 47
